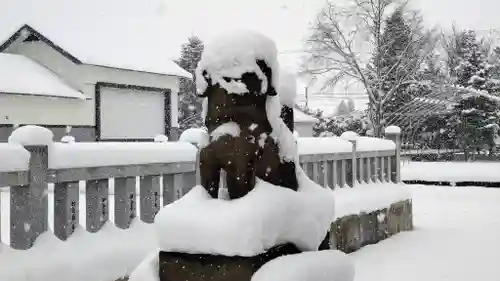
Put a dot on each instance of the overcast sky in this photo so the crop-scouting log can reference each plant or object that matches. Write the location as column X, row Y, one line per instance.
column 286, row 21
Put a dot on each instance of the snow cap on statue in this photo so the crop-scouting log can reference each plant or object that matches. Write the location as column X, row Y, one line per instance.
column 234, row 53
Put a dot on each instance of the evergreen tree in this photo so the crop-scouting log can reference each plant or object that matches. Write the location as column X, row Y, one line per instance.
column 189, row 103
column 475, row 123
column 473, row 70
column 396, row 40
column 343, row 109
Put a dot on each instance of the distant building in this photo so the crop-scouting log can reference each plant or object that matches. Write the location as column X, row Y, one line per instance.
column 61, row 71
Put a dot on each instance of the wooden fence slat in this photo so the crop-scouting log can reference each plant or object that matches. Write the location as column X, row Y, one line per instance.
column 188, row 182
column 382, row 169
column 149, row 198
column 66, row 209
column 125, row 202
column 29, row 204
column 335, row 174
column 389, row 168
column 343, row 173
column 368, row 175
column 168, row 189
column 315, row 172
column 325, row 174
column 376, row 169
column 97, row 204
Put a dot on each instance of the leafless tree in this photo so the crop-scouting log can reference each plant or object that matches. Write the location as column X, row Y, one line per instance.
column 345, row 44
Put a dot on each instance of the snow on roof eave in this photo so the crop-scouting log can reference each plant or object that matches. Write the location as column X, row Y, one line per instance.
column 53, row 96
column 179, row 73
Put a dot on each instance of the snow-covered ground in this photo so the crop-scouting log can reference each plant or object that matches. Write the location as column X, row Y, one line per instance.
column 452, row 171
column 455, row 239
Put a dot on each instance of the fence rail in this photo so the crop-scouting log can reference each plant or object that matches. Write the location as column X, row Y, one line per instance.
column 333, row 162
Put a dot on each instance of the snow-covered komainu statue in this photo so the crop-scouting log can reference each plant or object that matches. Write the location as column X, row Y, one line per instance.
column 239, row 114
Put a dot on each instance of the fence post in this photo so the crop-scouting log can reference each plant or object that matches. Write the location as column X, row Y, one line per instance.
column 29, row 204
column 352, row 137
column 394, row 133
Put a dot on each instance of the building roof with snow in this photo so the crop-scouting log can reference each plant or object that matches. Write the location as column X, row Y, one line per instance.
column 20, row 75
column 105, row 33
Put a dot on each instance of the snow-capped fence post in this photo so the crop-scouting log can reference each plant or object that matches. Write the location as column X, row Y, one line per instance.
column 394, row 133
column 353, row 138
column 29, row 204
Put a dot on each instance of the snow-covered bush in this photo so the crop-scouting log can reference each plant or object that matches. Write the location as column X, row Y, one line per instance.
column 337, row 125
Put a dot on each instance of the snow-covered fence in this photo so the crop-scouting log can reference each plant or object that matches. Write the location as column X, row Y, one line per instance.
column 31, row 161
column 351, row 159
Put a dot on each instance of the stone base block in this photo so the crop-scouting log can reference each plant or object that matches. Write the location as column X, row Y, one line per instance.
column 202, row 267
column 350, row 233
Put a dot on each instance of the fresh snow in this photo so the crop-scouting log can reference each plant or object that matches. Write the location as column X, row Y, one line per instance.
column 374, row 144
column 451, row 171
column 31, row 135
column 161, row 138
column 131, row 247
column 147, row 270
column 23, row 76
column 229, row 128
column 325, row 145
column 197, row 136
column 68, row 139
column 233, row 53
column 13, row 158
column 287, row 87
column 393, row 130
column 455, row 239
column 365, row 198
column 97, row 154
column 283, row 136
column 265, row 217
column 328, row 265
column 106, row 255
column 350, row 136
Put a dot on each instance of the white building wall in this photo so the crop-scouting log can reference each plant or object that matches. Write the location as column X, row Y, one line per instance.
column 42, row 110
column 84, row 77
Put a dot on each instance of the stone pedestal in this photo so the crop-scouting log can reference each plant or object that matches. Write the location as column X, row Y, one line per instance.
column 203, row 267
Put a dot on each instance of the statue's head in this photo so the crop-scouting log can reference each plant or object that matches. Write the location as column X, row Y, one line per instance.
column 240, row 62
column 249, row 83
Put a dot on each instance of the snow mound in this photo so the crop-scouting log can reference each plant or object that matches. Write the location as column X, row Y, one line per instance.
column 374, row 144
column 97, row 154
column 329, row 265
column 234, row 53
column 161, row 138
column 324, row 145
column 267, row 216
column 393, row 130
column 196, row 136
column 14, row 158
column 31, row 135
column 147, row 270
column 350, row 136
column 229, row 128
column 288, row 87
column 283, row 136
column 68, row 139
